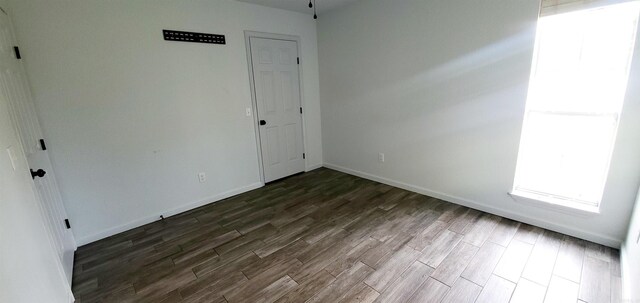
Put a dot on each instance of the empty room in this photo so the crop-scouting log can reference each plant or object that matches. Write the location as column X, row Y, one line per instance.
column 332, row 151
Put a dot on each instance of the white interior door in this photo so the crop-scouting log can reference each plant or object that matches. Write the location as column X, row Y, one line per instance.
column 30, row 268
column 15, row 89
column 277, row 94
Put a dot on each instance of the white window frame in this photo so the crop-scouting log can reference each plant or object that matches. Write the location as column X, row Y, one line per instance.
column 548, row 200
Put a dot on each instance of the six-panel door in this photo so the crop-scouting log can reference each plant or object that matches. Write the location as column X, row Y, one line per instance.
column 277, row 89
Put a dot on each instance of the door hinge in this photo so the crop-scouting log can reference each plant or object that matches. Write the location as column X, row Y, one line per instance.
column 298, row 60
column 66, row 222
column 42, row 145
column 304, row 156
column 301, row 110
column 17, row 51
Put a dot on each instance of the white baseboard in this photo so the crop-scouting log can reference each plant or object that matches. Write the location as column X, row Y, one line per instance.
column 625, row 272
column 166, row 214
column 561, row 228
column 312, row 167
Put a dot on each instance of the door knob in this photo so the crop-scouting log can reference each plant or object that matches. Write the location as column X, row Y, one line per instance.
column 262, row 122
column 38, row 173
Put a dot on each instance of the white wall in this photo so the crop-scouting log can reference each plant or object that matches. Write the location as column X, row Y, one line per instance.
column 629, row 259
column 440, row 87
column 131, row 119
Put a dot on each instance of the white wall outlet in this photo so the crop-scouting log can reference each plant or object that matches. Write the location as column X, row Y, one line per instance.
column 248, row 112
column 202, row 177
column 381, row 157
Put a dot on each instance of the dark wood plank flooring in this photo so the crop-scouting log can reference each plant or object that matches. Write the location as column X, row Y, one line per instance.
column 325, row 236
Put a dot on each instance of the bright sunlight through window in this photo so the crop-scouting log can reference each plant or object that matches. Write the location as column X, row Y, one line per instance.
column 577, row 87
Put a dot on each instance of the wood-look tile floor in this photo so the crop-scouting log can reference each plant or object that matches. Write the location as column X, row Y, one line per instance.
column 325, row 236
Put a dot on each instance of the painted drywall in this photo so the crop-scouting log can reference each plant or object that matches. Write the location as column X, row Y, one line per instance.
column 131, row 119
column 630, row 263
column 440, row 88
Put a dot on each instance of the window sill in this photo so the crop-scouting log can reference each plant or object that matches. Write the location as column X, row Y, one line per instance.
column 554, row 204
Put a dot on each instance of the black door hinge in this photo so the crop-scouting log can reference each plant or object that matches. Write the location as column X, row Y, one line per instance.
column 304, row 156
column 42, row 145
column 17, row 51
column 298, row 60
column 66, row 222
column 301, row 110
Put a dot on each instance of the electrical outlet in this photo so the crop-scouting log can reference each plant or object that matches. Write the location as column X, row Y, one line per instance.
column 248, row 112
column 202, row 177
column 381, row 157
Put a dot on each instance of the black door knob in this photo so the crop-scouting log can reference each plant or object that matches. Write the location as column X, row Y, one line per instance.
column 262, row 122
column 38, row 173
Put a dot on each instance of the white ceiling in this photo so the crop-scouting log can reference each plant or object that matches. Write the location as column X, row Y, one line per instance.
column 302, row 6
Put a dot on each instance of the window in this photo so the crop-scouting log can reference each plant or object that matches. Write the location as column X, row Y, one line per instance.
column 577, row 87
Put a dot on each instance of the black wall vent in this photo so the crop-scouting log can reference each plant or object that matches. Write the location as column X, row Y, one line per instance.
column 171, row 35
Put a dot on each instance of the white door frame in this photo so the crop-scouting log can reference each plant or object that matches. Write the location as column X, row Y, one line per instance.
column 254, row 103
